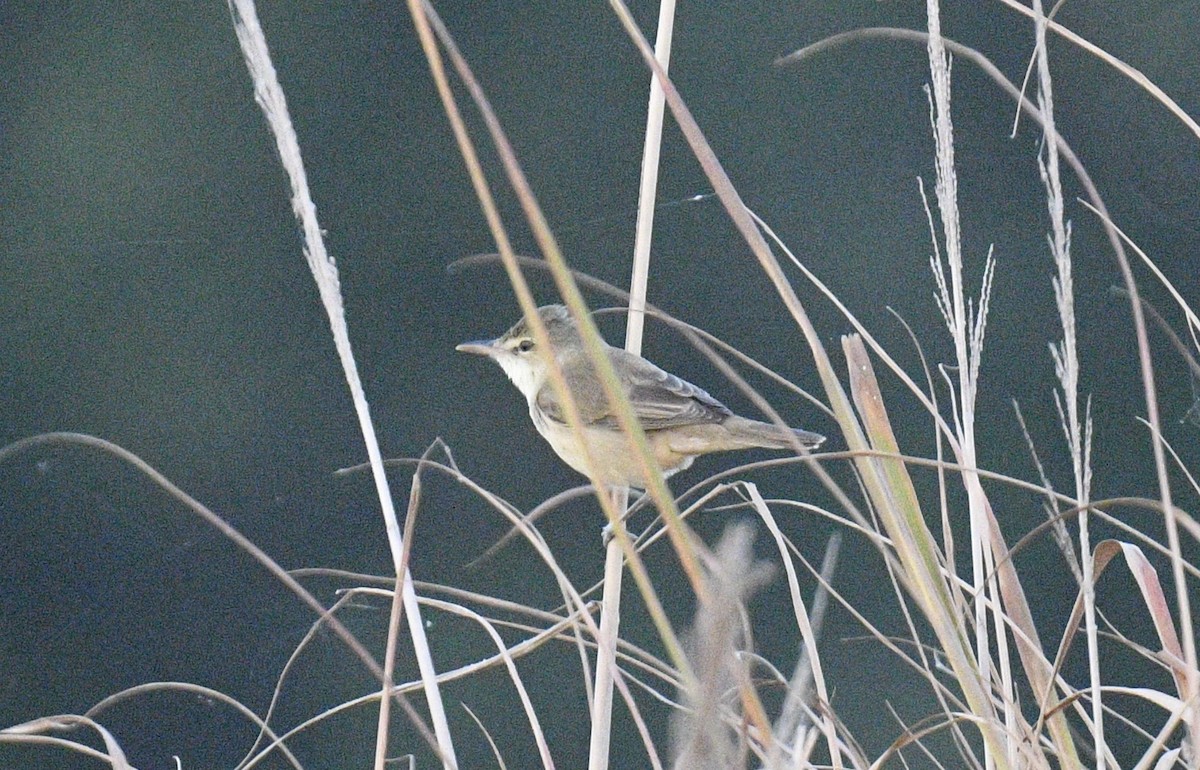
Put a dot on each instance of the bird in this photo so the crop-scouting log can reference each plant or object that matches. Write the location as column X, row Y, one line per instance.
column 681, row 420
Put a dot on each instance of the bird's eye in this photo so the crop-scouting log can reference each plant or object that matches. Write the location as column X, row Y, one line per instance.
column 524, row 346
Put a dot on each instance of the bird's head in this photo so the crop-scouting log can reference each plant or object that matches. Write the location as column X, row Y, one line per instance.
column 517, row 351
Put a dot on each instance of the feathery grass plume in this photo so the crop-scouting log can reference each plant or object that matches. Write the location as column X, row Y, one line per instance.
column 702, row 738
column 1065, row 353
column 270, row 97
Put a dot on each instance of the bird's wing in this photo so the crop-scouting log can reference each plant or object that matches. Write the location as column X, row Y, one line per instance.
column 660, row 399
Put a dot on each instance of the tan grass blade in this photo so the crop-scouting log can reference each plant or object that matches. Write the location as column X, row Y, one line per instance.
column 900, row 511
column 1154, row 599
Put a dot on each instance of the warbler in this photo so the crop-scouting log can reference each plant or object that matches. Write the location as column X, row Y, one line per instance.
column 681, row 420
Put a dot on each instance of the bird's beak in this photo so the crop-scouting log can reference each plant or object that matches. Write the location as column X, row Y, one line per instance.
column 478, row 347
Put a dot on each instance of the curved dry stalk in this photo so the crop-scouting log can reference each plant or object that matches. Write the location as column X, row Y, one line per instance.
column 487, row 736
column 32, row 732
column 1127, row 70
column 264, row 730
column 262, row 723
column 803, row 624
column 511, row 668
column 516, row 651
column 230, row 532
column 910, row 737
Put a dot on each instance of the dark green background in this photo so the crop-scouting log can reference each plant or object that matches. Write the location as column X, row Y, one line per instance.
column 153, row 293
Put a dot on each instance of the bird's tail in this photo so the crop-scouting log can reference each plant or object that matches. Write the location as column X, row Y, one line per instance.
column 752, row 433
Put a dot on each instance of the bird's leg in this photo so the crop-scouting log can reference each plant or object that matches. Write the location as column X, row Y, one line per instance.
column 606, row 534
